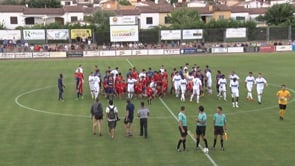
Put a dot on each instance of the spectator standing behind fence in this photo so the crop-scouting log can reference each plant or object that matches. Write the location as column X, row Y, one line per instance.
column 143, row 114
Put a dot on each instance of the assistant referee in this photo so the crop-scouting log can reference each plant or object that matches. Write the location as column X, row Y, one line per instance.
column 201, row 127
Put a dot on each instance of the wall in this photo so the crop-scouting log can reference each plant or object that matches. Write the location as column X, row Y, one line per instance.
column 143, row 17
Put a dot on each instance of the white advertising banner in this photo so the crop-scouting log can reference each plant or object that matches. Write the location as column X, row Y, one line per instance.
column 7, row 56
column 156, row 52
column 235, row 33
column 139, row 52
column 57, row 34
column 41, row 54
column 219, row 50
column 123, row 20
column 172, row 51
column 189, row 34
column 90, row 53
column 23, row 55
column 123, row 52
column 170, row 34
column 10, row 34
column 124, row 33
column 108, row 53
column 235, row 49
column 284, row 48
column 58, row 54
column 34, row 34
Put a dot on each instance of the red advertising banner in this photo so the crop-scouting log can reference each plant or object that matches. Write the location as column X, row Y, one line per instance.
column 267, row 49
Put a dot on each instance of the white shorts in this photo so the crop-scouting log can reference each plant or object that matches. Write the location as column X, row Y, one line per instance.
column 249, row 88
column 209, row 83
column 183, row 90
column 91, row 86
column 176, row 86
column 96, row 88
column 235, row 94
column 222, row 88
column 196, row 91
column 130, row 89
column 259, row 91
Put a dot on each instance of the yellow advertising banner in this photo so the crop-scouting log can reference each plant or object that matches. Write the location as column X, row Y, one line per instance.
column 80, row 33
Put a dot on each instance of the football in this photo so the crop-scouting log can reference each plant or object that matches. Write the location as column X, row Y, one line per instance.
column 205, row 150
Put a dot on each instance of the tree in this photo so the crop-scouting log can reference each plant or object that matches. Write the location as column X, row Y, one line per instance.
column 185, row 18
column 279, row 14
column 101, row 19
column 44, row 4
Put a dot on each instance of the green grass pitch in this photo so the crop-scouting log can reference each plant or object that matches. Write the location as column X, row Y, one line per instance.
column 61, row 134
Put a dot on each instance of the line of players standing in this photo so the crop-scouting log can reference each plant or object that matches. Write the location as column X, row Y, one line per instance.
column 185, row 82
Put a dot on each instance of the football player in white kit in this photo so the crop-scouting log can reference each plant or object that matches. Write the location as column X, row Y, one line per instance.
column 96, row 87
column 234, row 86
column 249, row 82
column 130, row 86
column 91, row 84
column 222, row 87
column 233, row 75
column 260, row 84
column 176, row 83
column 183, row 84
column 209, row 81
column 197, row 85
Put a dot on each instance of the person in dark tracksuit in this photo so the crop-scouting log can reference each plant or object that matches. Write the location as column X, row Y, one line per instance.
column 61, row 87
column 143, row 114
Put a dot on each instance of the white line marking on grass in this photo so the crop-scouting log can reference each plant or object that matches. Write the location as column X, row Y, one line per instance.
column 129, row 62
column 192, row 137
column 170, row 111
column 60, row 114
column 43, row 111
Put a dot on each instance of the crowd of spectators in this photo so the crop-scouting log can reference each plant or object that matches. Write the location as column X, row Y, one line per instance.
column 25, row 46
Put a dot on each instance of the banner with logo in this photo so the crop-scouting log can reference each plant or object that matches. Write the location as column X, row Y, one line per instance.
column 57, row 34
column 34, row 34
column 123, row 20
column 10, row 34
column 170, row 34
column 235, row 33
column 124, row 33
column 80, row 33
column 190, row 34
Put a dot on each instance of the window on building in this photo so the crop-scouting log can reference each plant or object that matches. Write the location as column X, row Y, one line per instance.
column 13, row 20
column 167, row 20
column 67, row 3
column 239, row 18
column 221, row 17
column 149, row 20
column 74, row 19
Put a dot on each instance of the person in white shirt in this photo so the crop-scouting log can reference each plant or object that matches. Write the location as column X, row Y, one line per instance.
column 176, row 83
column 142, row 74
column 112, row 117
column 209, row 81
column 79, row 69
column 234, row 86
column 115, row 72
column 260, row 84
column 96, row 87
column 197, row 85
column 222, row 87
column 249, row 82
column 162, row 69
column 233, row 75
column 183, row 84
column 91, row 84
column 130, row 86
